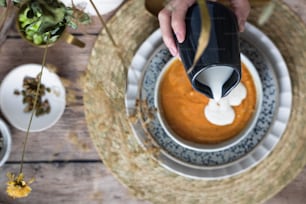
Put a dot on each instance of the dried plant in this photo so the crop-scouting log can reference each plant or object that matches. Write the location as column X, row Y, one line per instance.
column 16, row 186
column 28, row 92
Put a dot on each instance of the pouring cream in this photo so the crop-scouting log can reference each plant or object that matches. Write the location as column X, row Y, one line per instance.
column 214, row 78
column 220, row 112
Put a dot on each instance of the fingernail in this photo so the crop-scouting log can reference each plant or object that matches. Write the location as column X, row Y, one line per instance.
column 241, row 28
column 173, row 51
column 179, row 37
column 179, row 57
column 241, row 25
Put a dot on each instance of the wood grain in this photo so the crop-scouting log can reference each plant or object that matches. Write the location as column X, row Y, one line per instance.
column 69, row 183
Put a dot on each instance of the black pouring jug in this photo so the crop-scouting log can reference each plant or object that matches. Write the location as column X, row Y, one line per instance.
column 218, row 70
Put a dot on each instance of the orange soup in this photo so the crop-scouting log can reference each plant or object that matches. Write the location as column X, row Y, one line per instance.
column 183, row 108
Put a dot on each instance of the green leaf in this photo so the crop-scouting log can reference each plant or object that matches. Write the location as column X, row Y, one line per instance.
column 3, row 3
column 50, row 13
column 17, row 1
column 69, row 11
column 53, row 38
column 72, row 24
column 85, row 19
column 37, row 39
column 55, row 30
column 52, row 16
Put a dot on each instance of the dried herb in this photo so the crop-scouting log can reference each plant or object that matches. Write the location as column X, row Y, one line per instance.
column 30, row 85
column 39, row 19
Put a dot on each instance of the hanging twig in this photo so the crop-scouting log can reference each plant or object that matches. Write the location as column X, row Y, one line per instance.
column 118, row 49
column 34, row 106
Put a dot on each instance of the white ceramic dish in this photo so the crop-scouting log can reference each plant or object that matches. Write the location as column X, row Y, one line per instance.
column 103, row 6
column 11, row 104
column 7, row 143
column 213, row 147
column 248, row 152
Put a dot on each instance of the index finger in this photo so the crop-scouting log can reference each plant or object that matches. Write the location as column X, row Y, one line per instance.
column 164, row 18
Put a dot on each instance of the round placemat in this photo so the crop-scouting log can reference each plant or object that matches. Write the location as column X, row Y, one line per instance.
column 136, row 168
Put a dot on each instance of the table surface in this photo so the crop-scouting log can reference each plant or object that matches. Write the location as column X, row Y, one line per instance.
column 63, row 159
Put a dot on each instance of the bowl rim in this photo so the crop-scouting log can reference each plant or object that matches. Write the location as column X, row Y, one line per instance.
column 223, row 145
column 7, row 142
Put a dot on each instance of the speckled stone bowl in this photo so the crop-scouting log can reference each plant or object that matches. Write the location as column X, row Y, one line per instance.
column 222, row 145
column 5, row 142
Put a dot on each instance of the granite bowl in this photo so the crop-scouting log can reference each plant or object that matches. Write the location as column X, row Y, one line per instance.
column 222, row 145
column 5, row 142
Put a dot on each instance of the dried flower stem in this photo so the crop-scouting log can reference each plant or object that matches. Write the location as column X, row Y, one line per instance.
column 110, row 37
column 267, row 12
column 34, row 105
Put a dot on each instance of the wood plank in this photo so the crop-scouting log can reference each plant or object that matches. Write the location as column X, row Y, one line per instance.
column 76, row 183
column 7, row 16
column 294, row 193
column 92, row 183
column 69, row 138
column 68, row 58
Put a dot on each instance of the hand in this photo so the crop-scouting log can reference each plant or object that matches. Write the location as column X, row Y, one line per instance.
column 172, row 19
column 241, row 9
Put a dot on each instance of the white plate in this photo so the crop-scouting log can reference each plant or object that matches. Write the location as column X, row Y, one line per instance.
column 268, row 59
column 103, row 6
column 11, row 104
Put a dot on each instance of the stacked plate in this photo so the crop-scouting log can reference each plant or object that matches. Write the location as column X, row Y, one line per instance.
column 255, row 145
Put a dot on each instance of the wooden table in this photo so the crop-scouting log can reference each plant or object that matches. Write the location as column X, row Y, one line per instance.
column 63, row 160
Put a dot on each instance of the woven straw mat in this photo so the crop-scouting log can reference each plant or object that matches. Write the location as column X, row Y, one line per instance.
column 136, row 169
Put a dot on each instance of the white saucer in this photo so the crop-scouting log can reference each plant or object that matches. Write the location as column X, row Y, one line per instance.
column 11, row 104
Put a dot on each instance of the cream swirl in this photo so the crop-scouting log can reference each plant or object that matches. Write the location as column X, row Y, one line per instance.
column 221, row 112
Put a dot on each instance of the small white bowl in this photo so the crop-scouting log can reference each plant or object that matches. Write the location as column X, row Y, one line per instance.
column 11, row 104
column 219, row 146
column 6, row 143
